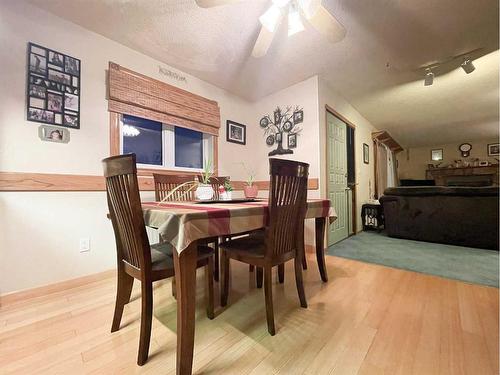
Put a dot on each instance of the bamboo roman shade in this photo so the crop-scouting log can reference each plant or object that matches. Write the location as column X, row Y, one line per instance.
column 134, row 94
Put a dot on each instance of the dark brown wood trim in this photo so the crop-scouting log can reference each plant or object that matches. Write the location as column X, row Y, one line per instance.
column 20, row 181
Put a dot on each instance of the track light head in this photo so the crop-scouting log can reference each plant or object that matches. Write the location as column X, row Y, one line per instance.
column 429, row 78
column 467, row 66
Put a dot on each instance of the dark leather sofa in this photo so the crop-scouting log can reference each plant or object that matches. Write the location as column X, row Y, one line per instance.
column 463, row 216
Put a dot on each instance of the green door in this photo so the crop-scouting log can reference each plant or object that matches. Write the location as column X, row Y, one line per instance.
column 337, row 177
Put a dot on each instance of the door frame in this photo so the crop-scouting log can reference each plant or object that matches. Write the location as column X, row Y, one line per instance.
column 355, row 186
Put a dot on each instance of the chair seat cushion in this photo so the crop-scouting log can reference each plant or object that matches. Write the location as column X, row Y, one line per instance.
column 161, row 256
column 252, row 245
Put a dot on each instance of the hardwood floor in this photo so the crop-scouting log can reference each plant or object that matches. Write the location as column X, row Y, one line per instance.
column 367, row 319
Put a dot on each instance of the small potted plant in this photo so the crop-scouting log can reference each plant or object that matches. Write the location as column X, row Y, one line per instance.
column 225, row 191
column 250, row 189
column 204, row 190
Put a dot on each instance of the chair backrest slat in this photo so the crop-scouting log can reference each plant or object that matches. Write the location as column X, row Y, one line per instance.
column 165, row 183
column 125, row 209
column 287, row 205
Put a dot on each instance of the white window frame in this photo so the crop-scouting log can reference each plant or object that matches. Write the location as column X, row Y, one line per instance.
column 168, row 143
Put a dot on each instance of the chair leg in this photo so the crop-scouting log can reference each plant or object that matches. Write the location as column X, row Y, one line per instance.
column 281, row 273
column 123, row 291
column 224, row 259
column 258, row 277
column 146, row 320
column 174, row 290
column 298, row 281
column 209, row 285
column 268, row 292
column 216, row 260
column 304, row 261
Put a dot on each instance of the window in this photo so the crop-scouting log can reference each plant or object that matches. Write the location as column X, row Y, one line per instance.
column 158, row 145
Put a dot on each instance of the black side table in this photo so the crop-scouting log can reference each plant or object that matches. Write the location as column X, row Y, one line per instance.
column 372, row 216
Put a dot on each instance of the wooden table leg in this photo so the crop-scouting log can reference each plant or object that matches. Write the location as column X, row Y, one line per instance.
column 320, row 229
column 185, row 277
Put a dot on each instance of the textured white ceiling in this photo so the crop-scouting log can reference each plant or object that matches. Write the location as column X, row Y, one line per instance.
column 377, row 67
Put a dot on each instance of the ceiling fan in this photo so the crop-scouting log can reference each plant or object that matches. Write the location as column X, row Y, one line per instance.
column 312, row 10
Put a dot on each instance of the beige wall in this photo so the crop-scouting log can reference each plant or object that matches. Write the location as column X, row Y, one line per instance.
column 305, row 95
column 40, row 232
column 412, row 162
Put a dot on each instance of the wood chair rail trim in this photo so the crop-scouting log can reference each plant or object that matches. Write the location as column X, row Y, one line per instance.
column 25, row 181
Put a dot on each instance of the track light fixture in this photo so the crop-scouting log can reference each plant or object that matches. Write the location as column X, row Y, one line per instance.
column 429, row 77
column 467, row 66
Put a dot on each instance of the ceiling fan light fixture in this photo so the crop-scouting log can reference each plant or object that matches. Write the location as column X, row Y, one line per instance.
column 295, row 24
column 270, row 19
column 467, row 66
column 429, row 78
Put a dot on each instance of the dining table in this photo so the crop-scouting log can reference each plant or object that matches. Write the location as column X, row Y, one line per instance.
column 183, row 224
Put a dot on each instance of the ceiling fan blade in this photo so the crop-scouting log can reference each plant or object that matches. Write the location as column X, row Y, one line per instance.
column 327, row 25
column 214, row 3
column 263, row 42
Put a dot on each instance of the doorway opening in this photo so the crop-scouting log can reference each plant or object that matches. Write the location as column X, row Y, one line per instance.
column 341, row 173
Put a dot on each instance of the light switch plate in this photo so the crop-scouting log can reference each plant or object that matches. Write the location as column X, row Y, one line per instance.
column 84, row 244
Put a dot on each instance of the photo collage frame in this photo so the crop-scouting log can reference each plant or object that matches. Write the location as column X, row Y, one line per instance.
column 53, row 87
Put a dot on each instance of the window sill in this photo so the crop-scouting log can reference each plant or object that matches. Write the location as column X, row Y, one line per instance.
column 149, row 171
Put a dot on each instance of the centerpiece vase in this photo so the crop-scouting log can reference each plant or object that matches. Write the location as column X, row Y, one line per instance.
column 204, row 192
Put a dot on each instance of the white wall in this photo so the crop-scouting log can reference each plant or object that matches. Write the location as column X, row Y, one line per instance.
column 40, row 232
column 364, row 172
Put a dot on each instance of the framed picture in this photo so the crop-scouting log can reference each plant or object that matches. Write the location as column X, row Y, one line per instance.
column 366, row 153
column 53, row 87
column 494, row 149
column 292, row 140
column 236, row 133
column 53, row 134
column 437, row 154
column 264, row 121
column 298, row 117
column 277, row 116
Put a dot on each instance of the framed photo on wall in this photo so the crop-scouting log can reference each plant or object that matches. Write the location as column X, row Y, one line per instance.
column 53, row 134
column 493, row 149
column 366, row 153
column 437, row 154
column 53, row 87
column 236, row 133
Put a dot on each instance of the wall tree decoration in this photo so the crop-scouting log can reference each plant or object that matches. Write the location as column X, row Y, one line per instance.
column 280, row 124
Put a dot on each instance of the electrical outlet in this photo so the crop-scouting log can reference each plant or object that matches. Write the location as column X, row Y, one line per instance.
column 84, row 244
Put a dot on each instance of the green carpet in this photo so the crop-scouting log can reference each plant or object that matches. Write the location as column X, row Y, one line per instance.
column 455, row 262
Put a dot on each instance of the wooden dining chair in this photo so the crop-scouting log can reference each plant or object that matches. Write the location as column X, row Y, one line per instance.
column 165, row 183
column 281, row 240
column 137, row 259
